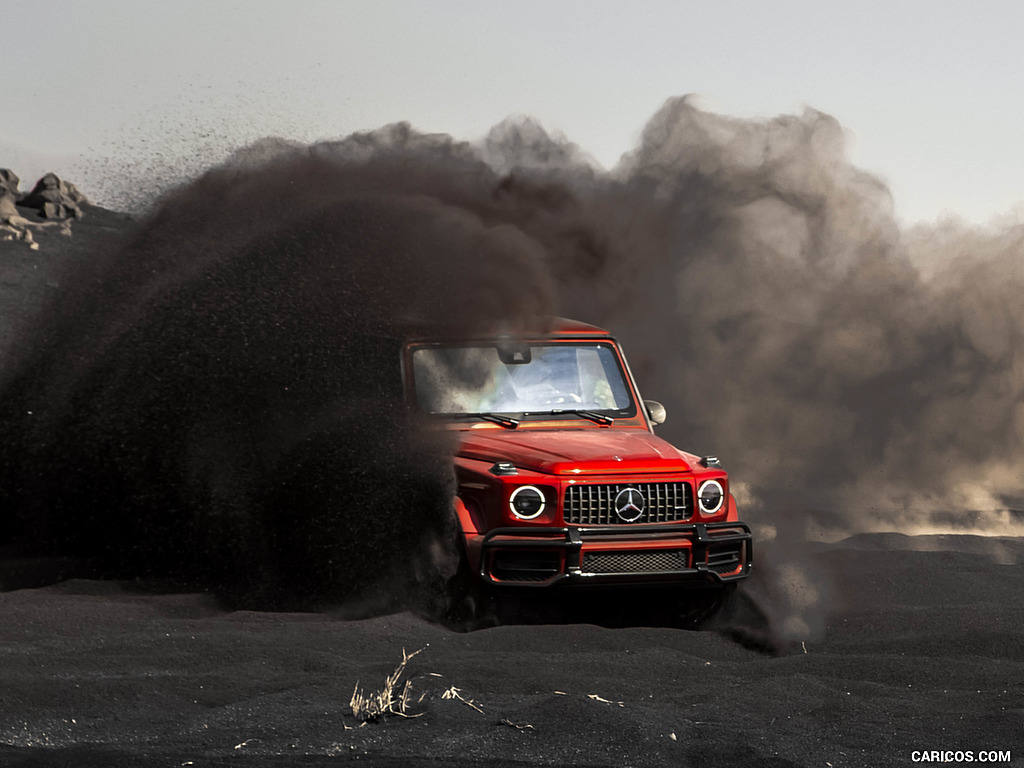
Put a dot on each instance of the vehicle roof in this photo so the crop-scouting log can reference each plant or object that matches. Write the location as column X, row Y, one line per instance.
column 564, row 326
column 559, row 327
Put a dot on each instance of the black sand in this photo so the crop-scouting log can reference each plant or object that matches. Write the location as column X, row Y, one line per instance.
column 921, row 651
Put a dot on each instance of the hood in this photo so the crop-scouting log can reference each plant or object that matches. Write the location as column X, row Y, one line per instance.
column 575, row 451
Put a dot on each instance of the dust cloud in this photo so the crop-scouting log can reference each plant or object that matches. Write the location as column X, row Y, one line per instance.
column 222, row 398
column 796, row 333
column 226, row 368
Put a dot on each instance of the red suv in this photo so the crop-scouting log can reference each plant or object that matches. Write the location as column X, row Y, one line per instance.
column 561, row 480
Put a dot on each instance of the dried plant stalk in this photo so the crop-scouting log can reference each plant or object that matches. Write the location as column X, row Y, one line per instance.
column 388, row 700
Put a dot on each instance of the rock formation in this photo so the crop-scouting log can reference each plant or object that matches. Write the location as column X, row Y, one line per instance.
column 51, row 198
column 55, row 198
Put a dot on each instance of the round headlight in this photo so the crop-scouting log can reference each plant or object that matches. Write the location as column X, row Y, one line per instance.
column 526, row 502
column 711, row 497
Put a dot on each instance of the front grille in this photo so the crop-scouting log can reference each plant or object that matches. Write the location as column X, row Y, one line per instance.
column 595, row 504
column 650, row 561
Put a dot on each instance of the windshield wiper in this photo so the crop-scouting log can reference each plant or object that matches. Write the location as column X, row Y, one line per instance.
column 505, row 421
column 600, row 418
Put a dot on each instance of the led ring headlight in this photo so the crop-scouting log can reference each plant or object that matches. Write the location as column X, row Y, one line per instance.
column 526, row 502
column 711, row 496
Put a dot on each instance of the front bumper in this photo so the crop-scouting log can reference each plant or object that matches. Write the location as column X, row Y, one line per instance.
column 693, row 554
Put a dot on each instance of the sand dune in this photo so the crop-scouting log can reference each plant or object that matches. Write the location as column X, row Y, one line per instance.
column 921, row 651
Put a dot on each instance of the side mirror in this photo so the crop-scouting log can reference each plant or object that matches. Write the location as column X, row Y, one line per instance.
column 655, row 411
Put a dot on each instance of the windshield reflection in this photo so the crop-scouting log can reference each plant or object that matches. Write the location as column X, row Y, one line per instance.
column 466, row 380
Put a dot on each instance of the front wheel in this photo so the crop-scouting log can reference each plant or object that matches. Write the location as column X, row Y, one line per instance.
column 463, row 602
column 710, row 608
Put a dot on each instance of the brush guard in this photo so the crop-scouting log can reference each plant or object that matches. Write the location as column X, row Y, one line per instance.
column 698, row 554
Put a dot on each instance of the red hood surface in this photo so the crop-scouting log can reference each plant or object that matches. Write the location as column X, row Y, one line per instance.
column 575, row 451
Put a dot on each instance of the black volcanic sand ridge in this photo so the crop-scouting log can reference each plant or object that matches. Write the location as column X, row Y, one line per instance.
column 922, row 652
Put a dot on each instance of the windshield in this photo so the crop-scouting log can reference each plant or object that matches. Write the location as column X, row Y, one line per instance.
column 541, row 379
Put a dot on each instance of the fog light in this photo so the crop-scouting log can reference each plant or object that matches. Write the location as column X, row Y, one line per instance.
column 711, row 497
column 526, row 502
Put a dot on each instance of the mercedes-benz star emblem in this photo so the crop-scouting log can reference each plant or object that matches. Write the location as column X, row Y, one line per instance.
column 630, row 505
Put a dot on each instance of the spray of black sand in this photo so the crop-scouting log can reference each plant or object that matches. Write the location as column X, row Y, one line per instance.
column 222, row 399
column 219, row 385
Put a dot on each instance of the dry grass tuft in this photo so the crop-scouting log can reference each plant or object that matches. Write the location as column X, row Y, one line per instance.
column 456, row 693
column 393, row 699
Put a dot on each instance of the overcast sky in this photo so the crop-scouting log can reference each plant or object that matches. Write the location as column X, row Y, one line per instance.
column 930, row 91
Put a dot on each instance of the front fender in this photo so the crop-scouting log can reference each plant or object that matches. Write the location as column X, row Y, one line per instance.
column 465, row 518
column 733, row 514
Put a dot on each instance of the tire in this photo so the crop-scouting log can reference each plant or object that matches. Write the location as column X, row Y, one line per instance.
column 709, row 609
column 464, row 602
